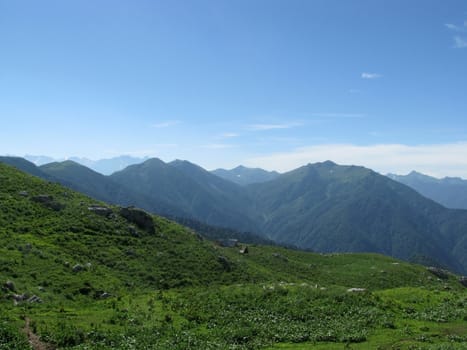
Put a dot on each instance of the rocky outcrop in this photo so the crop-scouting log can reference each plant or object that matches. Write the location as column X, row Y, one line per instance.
column 100, row 210
column 440, row 273
column 48, row 201
column 463, row 281
column 140, row 218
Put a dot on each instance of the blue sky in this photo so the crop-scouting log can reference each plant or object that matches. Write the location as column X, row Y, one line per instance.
column 269, row 83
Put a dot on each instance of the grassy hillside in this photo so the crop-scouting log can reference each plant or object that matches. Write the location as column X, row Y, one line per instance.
column 101, row 279
column 323, row 207
column 327, row 207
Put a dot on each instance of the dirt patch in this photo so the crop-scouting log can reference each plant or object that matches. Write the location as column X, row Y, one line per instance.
column 34, row 339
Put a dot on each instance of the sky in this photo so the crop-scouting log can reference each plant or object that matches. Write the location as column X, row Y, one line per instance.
column 265, row 83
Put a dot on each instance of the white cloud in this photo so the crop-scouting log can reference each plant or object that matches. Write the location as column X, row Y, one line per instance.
column 366, row 75
column 339, row 115
column 460, row 43
column 437, row 160
column 218, row 146
column 454, row 27
column 228, row 135
column 165, row 124
column 261, row 127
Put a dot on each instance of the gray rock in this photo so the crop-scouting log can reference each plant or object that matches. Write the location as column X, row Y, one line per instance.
column 105, row 295
column 243, row 250
column 100, row 210
column 9, row 285
column 23, row 193
column 229, row 243
column 34, row 299
column 78, row 268
column 280, row 256
column 140, row 218
column 226, row 265
column 356, row 290
column 440, row 273
column 19, row 297
column 463, row 281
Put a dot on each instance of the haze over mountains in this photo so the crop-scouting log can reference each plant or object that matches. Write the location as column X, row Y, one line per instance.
column 449, row 191
column 324, row 206
column 104, row 166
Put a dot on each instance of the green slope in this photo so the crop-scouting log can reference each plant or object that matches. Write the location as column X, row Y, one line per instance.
column 162, row 287
column 194, row 190
column 327, row 207
column 324, row 207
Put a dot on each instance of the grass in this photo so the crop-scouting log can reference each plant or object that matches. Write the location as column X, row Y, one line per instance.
column 173, row 290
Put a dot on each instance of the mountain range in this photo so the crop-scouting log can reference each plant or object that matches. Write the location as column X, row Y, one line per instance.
column 77, row 273
column 105, row 166
column 449, row 191
column 324, row 207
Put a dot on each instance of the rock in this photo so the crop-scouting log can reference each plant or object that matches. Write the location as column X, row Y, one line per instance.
column 356, row 290
column 48, row 201
column 243, row 250
column 88, row 265
column 463, row 281
column 139, row 217
column 100, row 210
column 132, row 231
column 9, row 285
column 78, row 268
column 34, row 299
column 105, row 295
column 280, row 256
column 440, row 273
column 23, row 193
column 228, row 243
column 19, row 297
column 226, row 265
column 43, row 198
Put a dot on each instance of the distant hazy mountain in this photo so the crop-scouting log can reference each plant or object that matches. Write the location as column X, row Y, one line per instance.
column 110, row 165
column 449, row 191
column 324, row 207
column 244, row 176
column 103, row 166
column 41, row 160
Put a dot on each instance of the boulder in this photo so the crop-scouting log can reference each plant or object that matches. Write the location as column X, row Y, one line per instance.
column 48, row 201
column 100, row 210
column 226, row 265
column 229, row 243
column 9, row 285
column 440, row 273
column 243, row 250
column 34, row 299
column 78, row 268
column 356, row 290
column 463, row 281
column 139, row 217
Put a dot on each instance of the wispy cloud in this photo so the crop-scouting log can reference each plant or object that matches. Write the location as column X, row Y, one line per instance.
column 459, row 42
column 165, row 124
column 366, row 75
column 456, row 27
column 437, row 159
column 218, row 146
column 339, row 115
column 228, row 135
column 262, row 127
